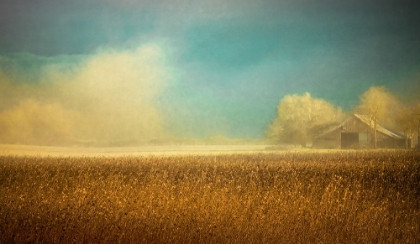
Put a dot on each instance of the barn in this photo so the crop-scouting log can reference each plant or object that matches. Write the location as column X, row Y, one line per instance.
column 357, row 132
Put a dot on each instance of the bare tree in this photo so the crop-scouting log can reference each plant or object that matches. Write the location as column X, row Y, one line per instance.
column 300, row 118
column 379, row 105
column 415, row 117
column 406, row 120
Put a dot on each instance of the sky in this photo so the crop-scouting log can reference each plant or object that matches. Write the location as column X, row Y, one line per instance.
column 87, row 70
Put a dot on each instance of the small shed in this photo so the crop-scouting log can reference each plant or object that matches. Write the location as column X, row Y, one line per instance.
column 357, row 131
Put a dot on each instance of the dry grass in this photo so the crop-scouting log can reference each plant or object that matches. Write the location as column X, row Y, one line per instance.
column 339, row 197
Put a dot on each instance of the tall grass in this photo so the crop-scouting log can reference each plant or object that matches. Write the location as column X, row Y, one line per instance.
column 341, row 197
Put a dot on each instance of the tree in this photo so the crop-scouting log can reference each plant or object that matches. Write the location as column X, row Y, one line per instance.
column 300, row 118
column 416, row 118
column 406, row 121
column 379, row 105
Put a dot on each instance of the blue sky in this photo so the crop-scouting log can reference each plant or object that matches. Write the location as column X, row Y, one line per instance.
column 226, row 64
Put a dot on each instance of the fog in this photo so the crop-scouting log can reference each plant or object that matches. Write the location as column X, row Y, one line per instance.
column 114, row 98
column 108, row 99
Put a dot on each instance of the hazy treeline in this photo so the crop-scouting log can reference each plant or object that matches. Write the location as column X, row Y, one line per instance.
column 301, row 117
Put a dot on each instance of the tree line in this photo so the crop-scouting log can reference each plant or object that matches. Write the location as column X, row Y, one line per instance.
column 302, row 117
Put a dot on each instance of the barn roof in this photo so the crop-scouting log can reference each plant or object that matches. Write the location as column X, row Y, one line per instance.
column 365, row 120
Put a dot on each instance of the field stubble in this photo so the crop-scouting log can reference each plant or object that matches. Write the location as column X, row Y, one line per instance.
column 340, row 197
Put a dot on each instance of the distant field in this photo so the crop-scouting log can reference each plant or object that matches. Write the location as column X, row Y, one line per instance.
column 287, row 197
column 21, row 150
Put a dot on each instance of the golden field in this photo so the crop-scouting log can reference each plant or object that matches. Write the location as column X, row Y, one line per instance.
column 272, row 197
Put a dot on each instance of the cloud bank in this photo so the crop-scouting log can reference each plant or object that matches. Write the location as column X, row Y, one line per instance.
column 108, row 99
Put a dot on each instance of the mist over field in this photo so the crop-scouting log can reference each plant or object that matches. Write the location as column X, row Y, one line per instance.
column 108, row 98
